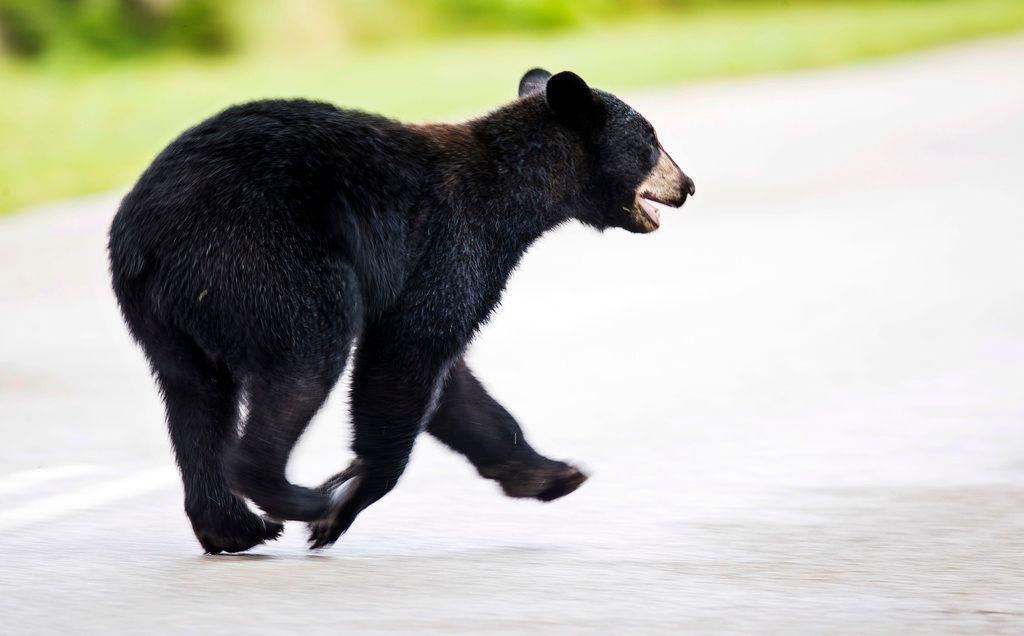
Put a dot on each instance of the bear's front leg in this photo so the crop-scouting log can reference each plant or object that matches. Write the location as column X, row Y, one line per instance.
column 472, row 423
column 395, row 387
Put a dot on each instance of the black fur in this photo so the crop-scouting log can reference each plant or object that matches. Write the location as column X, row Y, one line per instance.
column 260, row 245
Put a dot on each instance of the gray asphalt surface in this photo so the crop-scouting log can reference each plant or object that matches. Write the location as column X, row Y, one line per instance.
column 801, row 401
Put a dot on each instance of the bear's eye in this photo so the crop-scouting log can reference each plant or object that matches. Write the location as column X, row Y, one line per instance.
column 655, row 154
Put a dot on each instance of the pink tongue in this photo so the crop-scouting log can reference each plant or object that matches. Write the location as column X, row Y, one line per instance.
column 650, row 210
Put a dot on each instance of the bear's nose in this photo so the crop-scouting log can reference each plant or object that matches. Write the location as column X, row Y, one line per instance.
column 689, row 185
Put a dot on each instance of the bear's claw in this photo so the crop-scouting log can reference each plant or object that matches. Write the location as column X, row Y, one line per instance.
column 342, row 489
column 545, row 482
column 562, row 484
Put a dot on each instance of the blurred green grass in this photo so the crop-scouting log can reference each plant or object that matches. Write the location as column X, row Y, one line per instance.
column 73, row 131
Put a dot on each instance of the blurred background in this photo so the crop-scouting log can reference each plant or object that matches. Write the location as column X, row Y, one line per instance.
column 799, row 400
column 92, row 89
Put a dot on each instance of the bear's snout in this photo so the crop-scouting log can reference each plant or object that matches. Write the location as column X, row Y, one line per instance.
column 666, row 183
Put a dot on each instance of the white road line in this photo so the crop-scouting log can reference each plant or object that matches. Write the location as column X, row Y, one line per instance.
column 87, row 498
column 26, row 479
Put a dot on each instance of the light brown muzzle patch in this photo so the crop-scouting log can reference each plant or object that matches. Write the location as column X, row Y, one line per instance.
column 666, row 184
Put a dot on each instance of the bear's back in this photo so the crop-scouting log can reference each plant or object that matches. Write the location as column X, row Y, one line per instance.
column 270, row 195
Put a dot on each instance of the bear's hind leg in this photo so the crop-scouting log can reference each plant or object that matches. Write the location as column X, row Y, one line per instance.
column 201, row 400
column 281, row 403
column 472, row 423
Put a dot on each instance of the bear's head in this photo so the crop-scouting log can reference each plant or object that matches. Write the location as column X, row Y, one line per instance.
column 627, row 171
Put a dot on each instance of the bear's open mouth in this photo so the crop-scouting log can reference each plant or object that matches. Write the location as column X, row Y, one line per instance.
column 648, row 206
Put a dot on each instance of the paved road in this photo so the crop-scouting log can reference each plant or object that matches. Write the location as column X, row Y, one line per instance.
column 801, row 401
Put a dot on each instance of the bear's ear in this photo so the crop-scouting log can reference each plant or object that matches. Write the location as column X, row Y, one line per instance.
column 572, row 101
column 533, row 81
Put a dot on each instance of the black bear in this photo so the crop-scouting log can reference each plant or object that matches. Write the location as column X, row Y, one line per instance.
column 263, row 244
